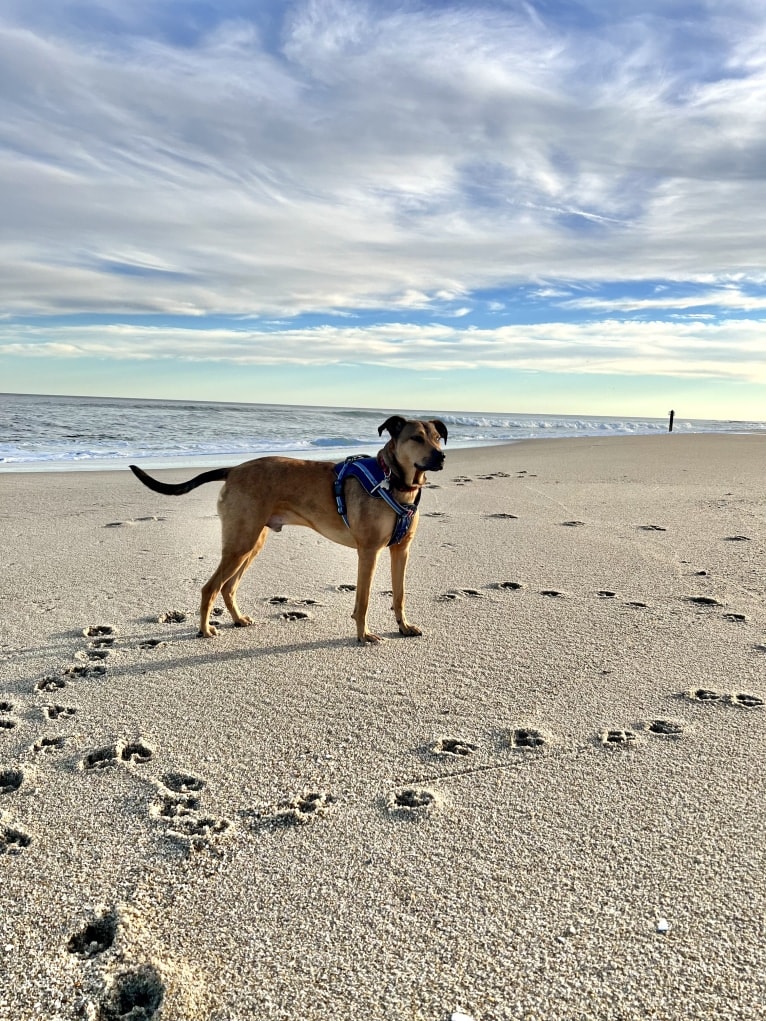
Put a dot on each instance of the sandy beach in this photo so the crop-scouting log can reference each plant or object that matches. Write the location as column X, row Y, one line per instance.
column 549, row 806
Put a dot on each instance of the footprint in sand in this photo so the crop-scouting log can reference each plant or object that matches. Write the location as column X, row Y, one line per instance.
column 703, row 601
column 136, row 751
column 606, row 594
column 737, row 618
column 346, row 588
column 461, row 480
column 739, row 699
column 10, row 780
column 664, row 728
column 52, row 682
column 738, row 538
column 181, row 811
column 198, row 829
column 412, row 801
column 58, row 712
column 48, row 745
column 101, row 643
column 453, row 746
column 705, row 695
column 503, row 516
column 552, row 593
column 100, row 631
column 573, row 524
column 511, row 586
column 7, row 722
column 102, row 758
column 460, row 593
column 96, row 937
column 296, row 811
column 652, row 528
column 93, row 655
column 136, row 994
column 110, row 755
column 171, row 617
column 12, row 839
column 622, row 738
column 292, row 615
column 131, row 521
column 182, row 783
column 84, row 671
column 171, row 806
column 526, row 738
column 745, row 701
column 152, row 643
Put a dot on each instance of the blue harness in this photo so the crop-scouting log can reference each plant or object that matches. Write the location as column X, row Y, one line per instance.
column 374, row 480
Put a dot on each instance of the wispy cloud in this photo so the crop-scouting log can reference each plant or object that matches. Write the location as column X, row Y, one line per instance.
column 347, row 157
column 691, row 350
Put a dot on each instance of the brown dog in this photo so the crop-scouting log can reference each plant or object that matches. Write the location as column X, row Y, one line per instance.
column 270, row 492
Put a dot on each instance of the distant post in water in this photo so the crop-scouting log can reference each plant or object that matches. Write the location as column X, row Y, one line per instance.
column 670, row 424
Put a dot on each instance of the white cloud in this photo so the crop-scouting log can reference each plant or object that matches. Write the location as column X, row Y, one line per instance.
column 382, row 153
column 728, row 350
column 723, row 298
column 398, row 157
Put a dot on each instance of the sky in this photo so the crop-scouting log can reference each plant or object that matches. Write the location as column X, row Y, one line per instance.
column 542, row 206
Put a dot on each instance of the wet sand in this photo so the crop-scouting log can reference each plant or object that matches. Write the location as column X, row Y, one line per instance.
column 551, row 805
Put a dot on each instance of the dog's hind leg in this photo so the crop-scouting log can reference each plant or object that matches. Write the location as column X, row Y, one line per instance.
column 229, row 588
column 230, row 565
column 368, row 559
column 399, row 556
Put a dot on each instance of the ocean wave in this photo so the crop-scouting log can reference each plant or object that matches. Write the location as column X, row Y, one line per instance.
column 337, row 441
column 71, row 432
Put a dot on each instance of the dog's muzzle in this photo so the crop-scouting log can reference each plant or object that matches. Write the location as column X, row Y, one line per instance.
column 435, row 462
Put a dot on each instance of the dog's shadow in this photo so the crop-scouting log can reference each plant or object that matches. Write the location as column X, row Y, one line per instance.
column 250, row 652
column 208, row 653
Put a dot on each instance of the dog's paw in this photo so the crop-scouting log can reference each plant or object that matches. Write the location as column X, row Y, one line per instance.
column 243, row 622
column 409, row 630
column 370, row 637
column 209, row 632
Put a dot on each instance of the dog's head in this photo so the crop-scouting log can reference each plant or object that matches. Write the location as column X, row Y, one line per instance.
column 415, row 443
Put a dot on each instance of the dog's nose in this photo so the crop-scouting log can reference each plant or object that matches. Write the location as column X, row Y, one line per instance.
column 437, row 460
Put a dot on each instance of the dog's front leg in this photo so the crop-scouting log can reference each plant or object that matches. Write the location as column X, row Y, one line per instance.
column 366, row 564
column 399, row 556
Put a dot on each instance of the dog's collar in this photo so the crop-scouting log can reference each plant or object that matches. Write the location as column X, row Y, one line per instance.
column 393, row 480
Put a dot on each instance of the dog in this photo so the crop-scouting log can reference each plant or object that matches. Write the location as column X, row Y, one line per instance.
column 270, row 492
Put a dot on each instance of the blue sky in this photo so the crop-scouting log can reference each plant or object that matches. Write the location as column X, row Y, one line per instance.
column 501, row 206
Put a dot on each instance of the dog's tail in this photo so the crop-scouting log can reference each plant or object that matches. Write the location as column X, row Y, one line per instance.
column 179, row 488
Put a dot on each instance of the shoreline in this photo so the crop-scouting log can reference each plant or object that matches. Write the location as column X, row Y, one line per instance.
column 550, row 805
column 212, row 461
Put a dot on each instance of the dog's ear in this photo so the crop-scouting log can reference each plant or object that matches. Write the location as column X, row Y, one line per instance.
column 394, row 425
column 440, row 427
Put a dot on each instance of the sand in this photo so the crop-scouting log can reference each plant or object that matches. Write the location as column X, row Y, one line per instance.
column 550, row 806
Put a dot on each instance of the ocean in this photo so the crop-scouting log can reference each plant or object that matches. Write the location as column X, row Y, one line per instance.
column 41, row 433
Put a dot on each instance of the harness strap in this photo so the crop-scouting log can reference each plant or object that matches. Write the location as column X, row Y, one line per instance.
column 372, row 477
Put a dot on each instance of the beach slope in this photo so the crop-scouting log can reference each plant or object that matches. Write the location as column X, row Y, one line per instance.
column 551, row 805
